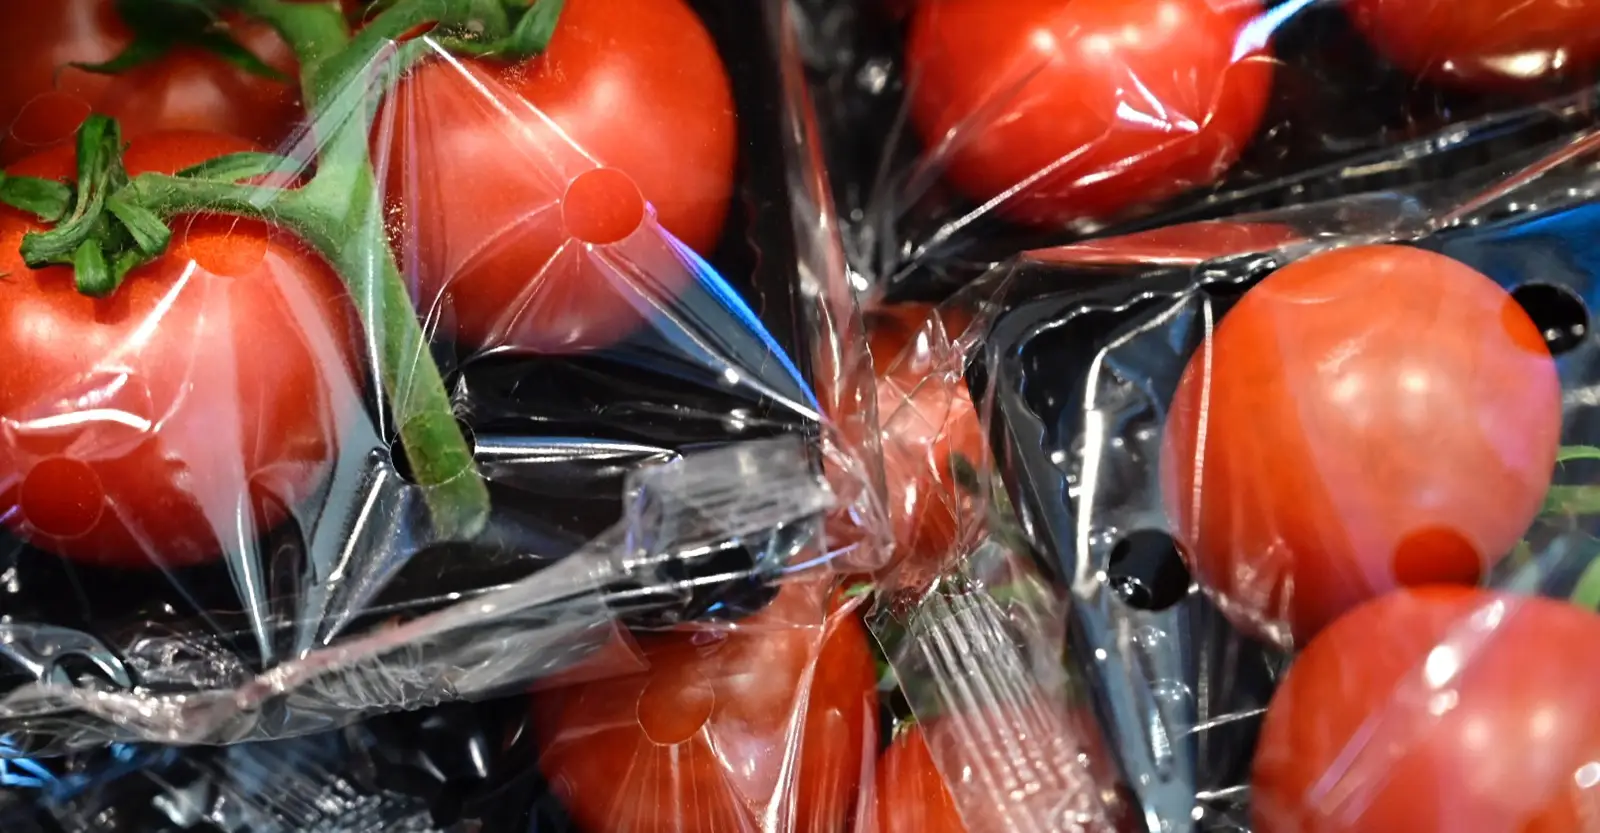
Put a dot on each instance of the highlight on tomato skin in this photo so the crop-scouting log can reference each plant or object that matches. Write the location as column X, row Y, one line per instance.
column 1485, row 45
column 516, row 238
column 771, row 718
column 1069, row 110
column 196, row 407
column 1363, row 419
column 1435, row 710
column 44, row 98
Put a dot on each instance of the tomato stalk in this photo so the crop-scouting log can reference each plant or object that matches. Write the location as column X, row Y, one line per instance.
column 116, row 224
column 338, row 212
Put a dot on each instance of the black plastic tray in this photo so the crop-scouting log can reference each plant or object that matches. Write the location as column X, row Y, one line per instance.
column 556, row 436
column 1082, row 366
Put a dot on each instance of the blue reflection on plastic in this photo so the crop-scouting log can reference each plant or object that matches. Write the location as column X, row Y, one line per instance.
column 1561, row 247
column 708, row 277
column 29, row 774
column 1258, row 32
column 22, row 772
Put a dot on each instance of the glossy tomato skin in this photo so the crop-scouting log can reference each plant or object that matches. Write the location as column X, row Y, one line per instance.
column 137, row 427
column 911, row 794
column 44, row 99
column 928, row 421
column 1484, row 44
column 1092, row 106
column 728, row 728
column 1373, row 417
column 1435, row 710
column 492, row 166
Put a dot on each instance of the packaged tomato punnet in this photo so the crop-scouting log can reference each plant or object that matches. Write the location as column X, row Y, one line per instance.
column 1320, row 483
column 964, row 131
column 989, row 735
column 767, row 723
column 366, row 356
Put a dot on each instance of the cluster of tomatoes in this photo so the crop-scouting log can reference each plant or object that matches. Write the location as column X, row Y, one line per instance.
column 1058, row 111
column 205, row 400
column 1363, row 436
column 1310, row 481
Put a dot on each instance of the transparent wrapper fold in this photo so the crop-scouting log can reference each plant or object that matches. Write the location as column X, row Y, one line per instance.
column 1319, row 484
column 433, row 386
column 960, row 133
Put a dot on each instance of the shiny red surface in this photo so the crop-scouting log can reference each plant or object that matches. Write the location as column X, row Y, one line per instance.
column 911, row 794
column 1446, row 710
column 766, row 726
column 1364, row 418
column 1484, row 44
column 1087, row 107
column 506, row 222
column 192, row 409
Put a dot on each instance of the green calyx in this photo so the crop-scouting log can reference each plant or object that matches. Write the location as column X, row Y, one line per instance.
column 106, row 224
column 105, row 236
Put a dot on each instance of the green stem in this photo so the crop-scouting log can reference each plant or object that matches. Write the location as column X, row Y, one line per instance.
column 315, row 31
column 340, row 214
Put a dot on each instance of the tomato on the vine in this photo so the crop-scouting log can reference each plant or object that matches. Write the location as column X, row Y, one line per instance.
column 727, row 730
column 1086, row 108
column 1485, row 44
column 930, row 430
column 1436, row 710
column 1364, row 418
column 193, row 408
column 507, row 219
column 45, row 98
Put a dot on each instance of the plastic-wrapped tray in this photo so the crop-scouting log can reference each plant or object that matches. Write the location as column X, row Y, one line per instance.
column 933, row 112
column 618, row 405
column 1082, row 361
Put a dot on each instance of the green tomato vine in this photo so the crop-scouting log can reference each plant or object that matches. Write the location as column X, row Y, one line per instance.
column 107, row 224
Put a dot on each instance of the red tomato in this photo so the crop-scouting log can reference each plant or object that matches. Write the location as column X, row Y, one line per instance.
column 191, row 409
column 927, row 420
column 1441, row 710
column 509, row 221
column 762, row 727
column 1092, row 107
column 43, row 100
column 1484, row 44
column 911, row 794
column 1372, row 417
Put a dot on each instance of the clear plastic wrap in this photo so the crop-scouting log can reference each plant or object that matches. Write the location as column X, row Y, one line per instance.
column 998, row 739
column 963, row 131
column 990, row 733
column 770, row 723
column 1319, row 482
column 481, row 346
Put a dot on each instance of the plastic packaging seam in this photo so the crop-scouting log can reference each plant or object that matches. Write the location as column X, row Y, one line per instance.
column 1007, row 716
column 678, row 509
